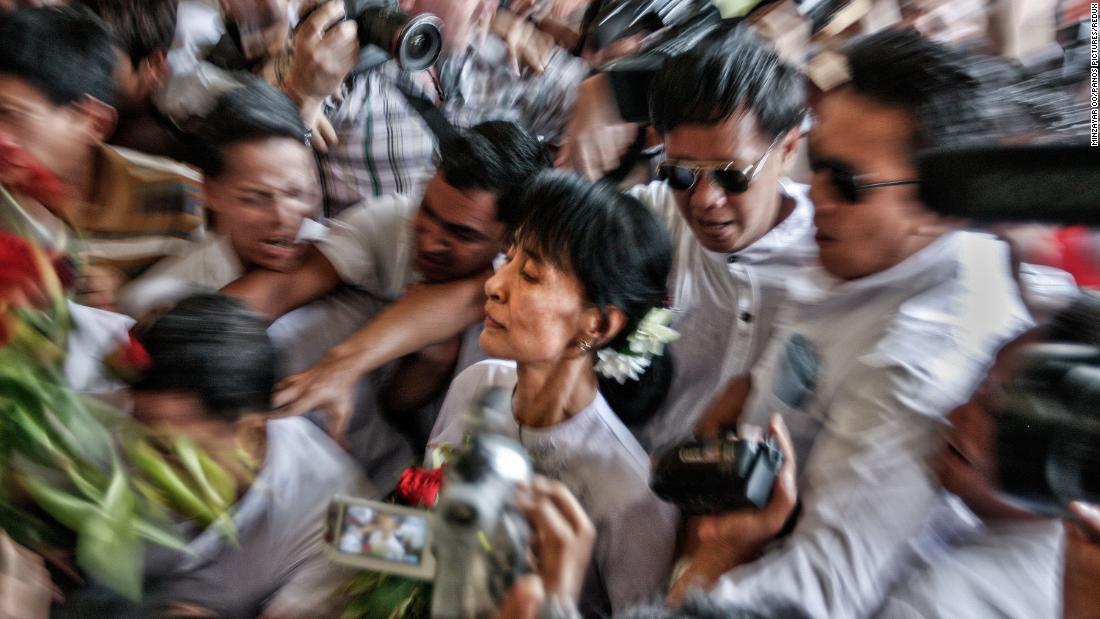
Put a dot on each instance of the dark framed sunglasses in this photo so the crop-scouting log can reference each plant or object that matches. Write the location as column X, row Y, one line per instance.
column 684, row 175
column 846, row 182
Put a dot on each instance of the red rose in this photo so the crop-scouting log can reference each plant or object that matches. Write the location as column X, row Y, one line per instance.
column 129, row 361
column 23, row 280
column 419, row 487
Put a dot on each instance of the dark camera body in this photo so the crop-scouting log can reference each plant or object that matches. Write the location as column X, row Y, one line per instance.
column 386, row 32
column 717, row 475
column 1048, row 429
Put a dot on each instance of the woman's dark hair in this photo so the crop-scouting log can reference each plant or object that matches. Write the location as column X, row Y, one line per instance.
column 214, row 346
column 254, row 111
column 728, row 72
column 498, row 157
column 65, row 52
column 617, row 248
column 140, row 27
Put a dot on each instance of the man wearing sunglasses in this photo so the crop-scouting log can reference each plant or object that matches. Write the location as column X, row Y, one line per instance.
column 729, row 112
column 887, row 334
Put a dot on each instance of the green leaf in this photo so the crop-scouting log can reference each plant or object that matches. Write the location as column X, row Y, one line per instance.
column 110, row 552
column 67, row 509
column 161, row 536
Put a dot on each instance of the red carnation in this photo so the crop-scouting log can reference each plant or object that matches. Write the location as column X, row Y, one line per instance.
column 419, row 487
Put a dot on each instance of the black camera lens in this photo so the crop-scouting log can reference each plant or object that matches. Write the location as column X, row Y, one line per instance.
column 419, row 44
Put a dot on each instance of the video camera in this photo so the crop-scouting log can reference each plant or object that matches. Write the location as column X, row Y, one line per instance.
column 472, row 546
column 1048, row 421
column 718, row 475
column 1048, row 428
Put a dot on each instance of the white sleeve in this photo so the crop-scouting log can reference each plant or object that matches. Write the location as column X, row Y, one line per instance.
column 364, row 244
column 867, row 492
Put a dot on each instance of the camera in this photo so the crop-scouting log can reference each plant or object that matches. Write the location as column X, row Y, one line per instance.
column 387, row 32
column 472, row 546
column 1048, row 428
column 716, row 475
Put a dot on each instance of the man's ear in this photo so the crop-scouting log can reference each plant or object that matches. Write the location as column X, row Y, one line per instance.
column 788, row 147
column 153, row 70
column 597, row 329
column 101, row 118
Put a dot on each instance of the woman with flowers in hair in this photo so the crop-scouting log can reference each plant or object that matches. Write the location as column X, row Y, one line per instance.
column 579, row 293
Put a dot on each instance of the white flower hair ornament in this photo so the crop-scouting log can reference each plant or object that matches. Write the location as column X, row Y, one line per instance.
column 647, row 341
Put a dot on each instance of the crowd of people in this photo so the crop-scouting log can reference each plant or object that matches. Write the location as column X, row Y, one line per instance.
column 328, row 261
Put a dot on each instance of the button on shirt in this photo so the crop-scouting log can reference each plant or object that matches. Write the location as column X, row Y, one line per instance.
column 596, row 457
column 726, row 305
column 863, row 373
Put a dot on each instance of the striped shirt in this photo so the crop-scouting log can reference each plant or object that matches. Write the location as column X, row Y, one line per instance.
column 385, row 147
column 144, row 208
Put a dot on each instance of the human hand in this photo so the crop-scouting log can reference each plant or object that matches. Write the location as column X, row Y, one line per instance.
column 26, row 590
column 323, row 57
column 324, row 135
column 721, row 542
column 1081, row 583
column 596, row 136
column 329, row 387
column 528, row 47
column 98, row 287
column 562, row 537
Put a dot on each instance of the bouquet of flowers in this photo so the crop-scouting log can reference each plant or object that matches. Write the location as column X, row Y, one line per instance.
column 76, row 474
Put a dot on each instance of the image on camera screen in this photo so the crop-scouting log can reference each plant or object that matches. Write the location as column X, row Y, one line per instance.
column 370, row 532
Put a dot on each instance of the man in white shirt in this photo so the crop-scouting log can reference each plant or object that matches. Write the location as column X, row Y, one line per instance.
column 892, row 331
column 729, row 112
column 211, row 376
column 389, row 250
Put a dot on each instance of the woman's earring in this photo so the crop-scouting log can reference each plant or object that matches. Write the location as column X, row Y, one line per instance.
column 584, row 346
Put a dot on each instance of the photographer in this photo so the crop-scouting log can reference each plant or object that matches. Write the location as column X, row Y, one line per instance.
column 890, row 333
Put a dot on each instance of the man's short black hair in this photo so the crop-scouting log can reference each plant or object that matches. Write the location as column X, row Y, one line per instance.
column 215, row 347
column 724, row 74
column 933, row 82
column 140, row 27
column 495, row 156
column 254, row 111
column 64, row 52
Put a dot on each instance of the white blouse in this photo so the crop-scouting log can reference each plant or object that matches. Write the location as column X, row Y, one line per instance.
column 598, row 459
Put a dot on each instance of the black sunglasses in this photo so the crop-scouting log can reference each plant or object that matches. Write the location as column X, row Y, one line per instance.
column 684, row 175
column 845, row 181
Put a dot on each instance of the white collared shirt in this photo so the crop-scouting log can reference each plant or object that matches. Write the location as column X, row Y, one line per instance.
column 726, row 305
column 601, row 463
column 863, row 373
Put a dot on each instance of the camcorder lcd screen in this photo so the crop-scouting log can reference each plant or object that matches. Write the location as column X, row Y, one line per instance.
column 381, row 537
